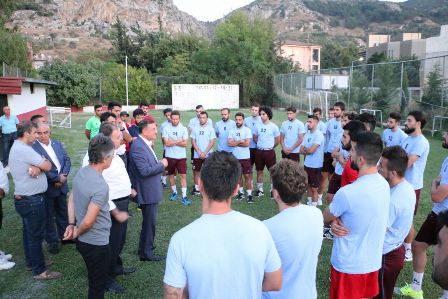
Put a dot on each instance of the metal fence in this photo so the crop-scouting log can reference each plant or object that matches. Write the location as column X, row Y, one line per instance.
column 414, row 84
column 12, row 71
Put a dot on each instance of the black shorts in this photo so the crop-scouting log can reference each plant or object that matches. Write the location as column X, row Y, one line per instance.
column 328, row 163
column 291, row 156
column 313, row 176
column 429, row 230
column 253, row 152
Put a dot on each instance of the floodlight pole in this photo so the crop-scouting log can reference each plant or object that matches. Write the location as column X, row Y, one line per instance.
column 127, row 89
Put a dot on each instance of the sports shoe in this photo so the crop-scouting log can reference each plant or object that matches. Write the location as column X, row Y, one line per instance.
column 174, row 196
column 195, row 192
column 319, row 202
column 328, row 234
column 250, row 199
column 185, row 201
column 5, row 256
column 408, row 291
column 5, row 264
column 240, row 196
column 408, row 255
column 164, row 185
column 259, row 193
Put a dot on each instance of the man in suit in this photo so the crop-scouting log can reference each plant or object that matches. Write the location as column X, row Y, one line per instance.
column 145, row 171
column 56, row 194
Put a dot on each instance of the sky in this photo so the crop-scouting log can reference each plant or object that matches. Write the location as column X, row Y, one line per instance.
column 211, row 10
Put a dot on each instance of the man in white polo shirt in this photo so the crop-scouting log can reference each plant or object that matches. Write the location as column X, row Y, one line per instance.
column 363, row 208
column 291, row 135
column 394, row 135
column 222, row 129
column 251, row 122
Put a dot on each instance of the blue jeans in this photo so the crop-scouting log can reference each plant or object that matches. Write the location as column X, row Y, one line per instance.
column 8, row 140
column 32, row 211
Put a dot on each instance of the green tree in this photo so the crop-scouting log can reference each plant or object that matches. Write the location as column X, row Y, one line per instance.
column 335, row 55
column 432, row 92
column 140, row 84
column 76, row 83
column 13, row 50
column 360, row 90
column 388, row 84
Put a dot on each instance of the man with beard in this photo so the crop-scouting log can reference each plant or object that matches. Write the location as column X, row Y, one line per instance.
column 312, row 148
column 167, row 114
column 291, row 135
column 194, row 122
column 93, row 124
column 394, row 135
column 251, row 122
column 137, row 116
column 440, row 261
column 222, row 129
column 267, row 137
column 428, row 233
column 239, row 141
column 333, row 139
column 417, row 148
column 202, row 138
column 322, row 126
column 363, row 208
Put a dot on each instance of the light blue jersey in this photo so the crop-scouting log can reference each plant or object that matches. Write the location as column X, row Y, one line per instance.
column 222, row 130
column 178, row 132
column 291, row 130
column 194, row 122
column 266, row 134
column 443, row 205
column 203, row 136
column 316, row 159
column 338, row 169
column 391, row 138
column 322, row 126
column 251, row 122
column 237, row 134
column 419, row 146
column 334, row 134
column 162, row 127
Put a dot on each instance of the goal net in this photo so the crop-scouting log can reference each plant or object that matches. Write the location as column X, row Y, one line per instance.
column 59, row 117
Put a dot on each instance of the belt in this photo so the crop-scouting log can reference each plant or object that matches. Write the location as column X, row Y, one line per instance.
column 120, row 199
column 265, row 149
column 8, row 133
column 23, row 197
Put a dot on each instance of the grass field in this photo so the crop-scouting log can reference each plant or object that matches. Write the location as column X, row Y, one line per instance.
column 146, row 282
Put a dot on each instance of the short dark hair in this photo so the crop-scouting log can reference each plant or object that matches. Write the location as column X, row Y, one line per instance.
column 395, row 115
column 330, row 109
column 354, row 127
column 113, row 104
column 291, row 109
column 239, row 114
column 419, row 116
column 267, row 110
column 340, row 105
column 97, row 106
column 368, row 119
column 220, row 174
column 143, row 104
column 100, row 147
column 290, row 180
column 137, row 112
column 255, row 105
column 35, row 117
column 317, row 110
column 107, row 129
column 175, row 112
column 369, row 146
column 352, row 116
column 313, row 117
column 143, row 124
column 199, row 106
column 105, row 115
column 397, row 159
column 228, row 110
column 203, row 112
column 166, row 110
column 25, row 126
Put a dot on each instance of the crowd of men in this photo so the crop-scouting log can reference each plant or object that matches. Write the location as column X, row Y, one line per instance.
column 372, row 183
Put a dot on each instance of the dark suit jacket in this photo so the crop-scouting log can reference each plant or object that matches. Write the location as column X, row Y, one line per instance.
column 53, row 176
column 144, row 172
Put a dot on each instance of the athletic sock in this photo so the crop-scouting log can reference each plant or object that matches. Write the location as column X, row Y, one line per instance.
column 417, row 280
column 271, row 188
column 241, row 190
column 196, row 187
column 164, row 179
column 445, row 294
column 309, row 199
column 320, row 196
column 249, row 192
column 184, row 192
column 314, row 203
column 260, row 186
column 407, row 246
column 174, row 189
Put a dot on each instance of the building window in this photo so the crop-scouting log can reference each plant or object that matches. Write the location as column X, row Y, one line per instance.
column 315, row 55
column 315, row 67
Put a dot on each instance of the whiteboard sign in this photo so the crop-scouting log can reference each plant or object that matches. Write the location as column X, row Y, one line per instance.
column 211, row 96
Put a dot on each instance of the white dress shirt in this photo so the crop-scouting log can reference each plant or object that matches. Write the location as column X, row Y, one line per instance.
column 149, row 144
column 50, row 151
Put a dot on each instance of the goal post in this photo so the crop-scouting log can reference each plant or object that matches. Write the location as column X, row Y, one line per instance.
column 59, row 117
column 438, row 127
column 375, row 113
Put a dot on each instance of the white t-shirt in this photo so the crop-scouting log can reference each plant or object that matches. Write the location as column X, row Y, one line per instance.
column 251, row 122
column 291, row 130
column 316, row 159
column 401, row 213
column 266, row 134
column 298, row 250
column 221, row 256
column 416, row 145
column 339, row 169
column 363, row 207
column 202, row 137
column 322, row 127
column 237, row 134
column 175, row 133
column 391, row 138
column 334, row 134
column 443, row 205
column 194, row 122
column 162, row 126
column 222, row 130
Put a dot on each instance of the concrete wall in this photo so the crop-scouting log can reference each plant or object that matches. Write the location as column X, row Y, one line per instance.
column 302, row 55
column 27, row 104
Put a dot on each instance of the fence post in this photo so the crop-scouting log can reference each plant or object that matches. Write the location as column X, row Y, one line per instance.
column 349, row 85
column 443, row 79
column 283, row 93
column 402, row 93
column 371, row 90
column 291, row 93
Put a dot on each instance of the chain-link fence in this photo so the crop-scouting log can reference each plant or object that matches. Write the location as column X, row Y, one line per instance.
column 417, row 84
column 12, row 71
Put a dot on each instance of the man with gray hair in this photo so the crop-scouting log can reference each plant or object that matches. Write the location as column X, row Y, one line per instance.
column 92, row 222
column 56, row 194
column 30, row 184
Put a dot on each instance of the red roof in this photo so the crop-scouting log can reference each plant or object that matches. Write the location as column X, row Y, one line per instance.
column 11, row 85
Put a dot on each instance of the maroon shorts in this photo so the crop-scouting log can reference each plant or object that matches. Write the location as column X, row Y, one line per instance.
column 417, row 199
column 291, row 156
column 264, row 158
column 391, row 266
column 176, row 164
column 253, row 154
column 328, row 163
column 246, row 166
column 335, row 184
column 313, row 176
column 429, row 230
column 197, row 164
column 353, row 286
